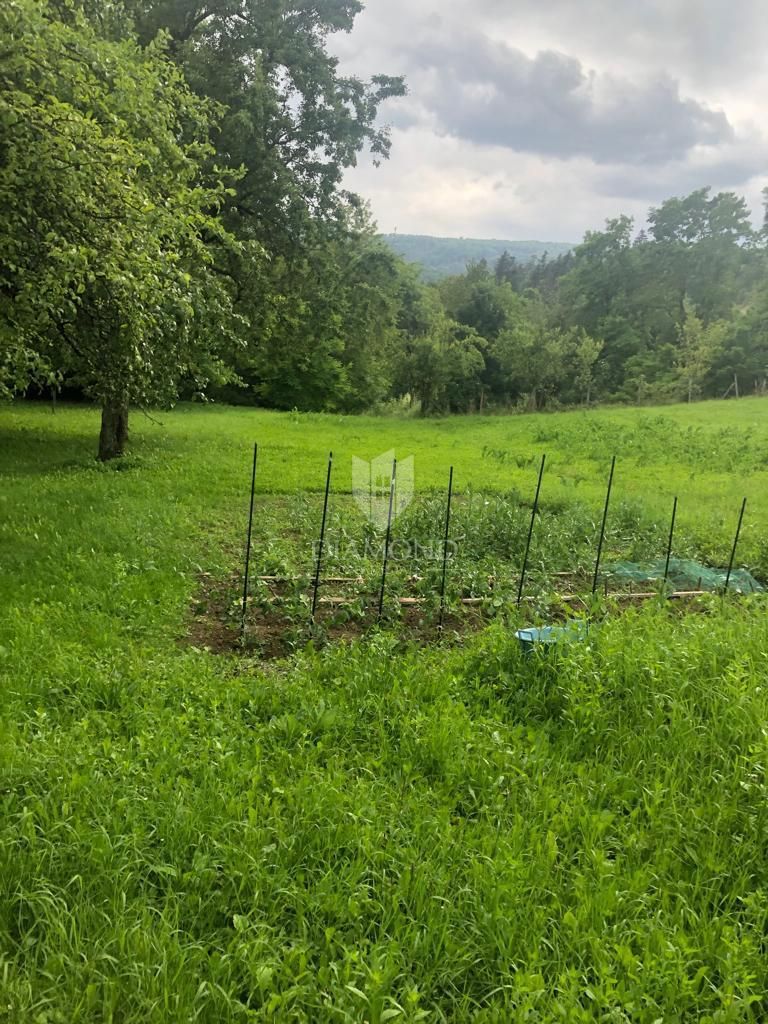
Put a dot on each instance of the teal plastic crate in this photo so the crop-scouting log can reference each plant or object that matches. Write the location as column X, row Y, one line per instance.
column 547, row 637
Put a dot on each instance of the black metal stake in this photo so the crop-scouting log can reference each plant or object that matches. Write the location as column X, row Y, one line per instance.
column 671, row 538
column 445, row 549
column 322, row 539
column 735, row 543
column 534, row 512
column 248, row 542
column 389, row 537
column 602, row 528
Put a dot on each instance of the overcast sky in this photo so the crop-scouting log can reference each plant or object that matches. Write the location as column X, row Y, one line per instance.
column 541, row 118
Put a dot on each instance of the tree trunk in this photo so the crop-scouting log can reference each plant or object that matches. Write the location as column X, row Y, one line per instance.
column 114, row 430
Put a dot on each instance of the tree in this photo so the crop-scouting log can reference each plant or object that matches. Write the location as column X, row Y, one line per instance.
column 586, row 351
column 335, row 332
column 290, row 119
column 743, row 353
column 700, row 344
column 598, row 295
column 701, row 242
column 508, row 269
column 534, row 359
column 293, row 124
column 443, row 368
column 489, row 307
column 108, row 227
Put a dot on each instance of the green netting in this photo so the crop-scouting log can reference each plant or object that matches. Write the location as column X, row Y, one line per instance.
column 684, row 574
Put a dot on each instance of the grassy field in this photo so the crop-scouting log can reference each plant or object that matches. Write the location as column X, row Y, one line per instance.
column 375, row 830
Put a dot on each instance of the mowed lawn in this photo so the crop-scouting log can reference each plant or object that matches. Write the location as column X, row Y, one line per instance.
column 369, row 832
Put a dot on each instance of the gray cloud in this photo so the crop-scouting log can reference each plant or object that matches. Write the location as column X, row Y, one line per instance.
column 541, row 119
column 488, row 93
column 703, row 41
column 727, row 171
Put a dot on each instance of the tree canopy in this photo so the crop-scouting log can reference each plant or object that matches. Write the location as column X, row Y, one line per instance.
column 109, row 235
column 171, row 184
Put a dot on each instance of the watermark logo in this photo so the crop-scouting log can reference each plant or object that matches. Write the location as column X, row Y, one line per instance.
column 372, row 483
column 408, row 551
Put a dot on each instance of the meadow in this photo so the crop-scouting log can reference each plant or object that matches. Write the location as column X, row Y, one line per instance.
column 376, row 829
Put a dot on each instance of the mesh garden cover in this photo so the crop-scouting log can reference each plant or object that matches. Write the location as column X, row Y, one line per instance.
column 684, row 574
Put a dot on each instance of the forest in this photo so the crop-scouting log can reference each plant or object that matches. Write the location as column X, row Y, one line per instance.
column 445, row 257
column 174, row 223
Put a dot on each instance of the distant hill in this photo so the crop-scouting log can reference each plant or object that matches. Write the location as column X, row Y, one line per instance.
column 440, row 257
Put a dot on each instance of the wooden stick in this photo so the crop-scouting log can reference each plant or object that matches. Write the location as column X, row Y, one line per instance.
column 406, row 602
column 305, row 579
column 639, row 597
column 411, row 602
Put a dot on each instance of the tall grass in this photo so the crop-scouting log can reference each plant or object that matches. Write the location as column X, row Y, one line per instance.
column 362, row 833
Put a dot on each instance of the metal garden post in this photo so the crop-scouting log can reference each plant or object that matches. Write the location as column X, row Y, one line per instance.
column 602, row 528
column 671, row 538
column 321, row 542
column 534, row 511
column 248, row 542
column 735, row 544
column 445, row 549
column 389, row 538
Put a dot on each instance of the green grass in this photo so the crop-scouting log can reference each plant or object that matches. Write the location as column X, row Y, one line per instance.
column 374, row 832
